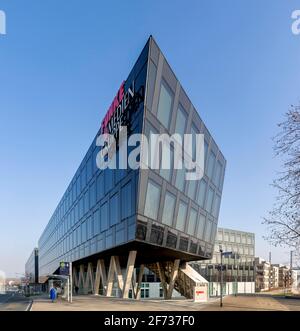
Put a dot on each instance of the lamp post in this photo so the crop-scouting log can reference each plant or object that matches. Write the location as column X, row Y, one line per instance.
column 221, row 290
column 222, row 254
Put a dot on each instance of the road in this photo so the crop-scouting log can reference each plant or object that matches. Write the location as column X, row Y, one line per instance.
column 13, row 302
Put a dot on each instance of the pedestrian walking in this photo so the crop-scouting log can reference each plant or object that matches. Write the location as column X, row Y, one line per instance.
column 53, row 294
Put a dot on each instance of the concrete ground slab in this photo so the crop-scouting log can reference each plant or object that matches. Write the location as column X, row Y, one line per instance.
column 99, row 303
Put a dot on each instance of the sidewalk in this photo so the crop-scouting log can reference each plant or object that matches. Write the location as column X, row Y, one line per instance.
column 99, row 303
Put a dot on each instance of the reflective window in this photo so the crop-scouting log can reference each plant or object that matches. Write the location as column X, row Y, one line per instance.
column 192, row 222
column 83, row 232
column 192, row 188
column 126, row 202
column 211, row 164
column 209, row 201
column 100, row 186
column 96, row 222
column 180, row 178
column 216, row 206
column 108, row 179
column 181, row 216
column 213, row 233
column 104, row 217
column 83, row 178
column 165, row 105
column 152, row 200
column 90, row 228
column 93, row 194
column 201, row 226
column 114, row 209
column 238, row 238
column 167, row 173
column 86, row 202
column 218, row 174
column 202, row 192
column 89, row 169
column 208, row 229
column 169, row 207
column 181, row 118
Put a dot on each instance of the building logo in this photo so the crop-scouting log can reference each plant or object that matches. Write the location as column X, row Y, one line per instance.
column 296, row 22
column 2, row 23
column 152, row 151
column 120, row 110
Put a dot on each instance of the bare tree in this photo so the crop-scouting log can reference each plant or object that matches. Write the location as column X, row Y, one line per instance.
column 283, row 221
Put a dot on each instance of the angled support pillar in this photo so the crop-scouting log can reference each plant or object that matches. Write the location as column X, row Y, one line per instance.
column 114, row 268
column 81, row 280
column 137, row 292
column 75, row 277
column 162, row 278
column 100, row 276
column 129, row 273
column 89, row 279
column 173, row 277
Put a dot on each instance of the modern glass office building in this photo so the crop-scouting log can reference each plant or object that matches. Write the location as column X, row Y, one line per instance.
column 32, row 267
column 157, row 213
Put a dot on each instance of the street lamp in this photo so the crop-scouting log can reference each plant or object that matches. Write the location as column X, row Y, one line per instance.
column 221, row 290
column 222, row 254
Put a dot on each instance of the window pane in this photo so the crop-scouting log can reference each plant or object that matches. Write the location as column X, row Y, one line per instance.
column 165, row 105
column 180, row 122
column 201, row 226
column 192, row 222
column 218, row 175
column 96, row 222
column 83, row 231
column 104, row 217
column 167, row 173
column 126, row 201
column 93, row 194
column 114, row 208
column 192, row 188
column 208, row 231
column 180, row 224
column 211, row 164
column 169, row 207
column 86, row 202
column 100, row 186
column 180, row 178
column 201, row 193
column 216, row 205
column 210, row 197
column 152, row 200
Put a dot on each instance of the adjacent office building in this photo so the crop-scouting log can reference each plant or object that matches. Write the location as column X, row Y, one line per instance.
column 238, row 267
column 2, row 282
column 32, row 267
column 155, row 217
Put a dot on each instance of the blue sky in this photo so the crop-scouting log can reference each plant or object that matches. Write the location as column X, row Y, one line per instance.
column 62, row 62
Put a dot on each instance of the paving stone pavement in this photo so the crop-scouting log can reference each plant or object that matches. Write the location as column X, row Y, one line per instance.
column 99, row 303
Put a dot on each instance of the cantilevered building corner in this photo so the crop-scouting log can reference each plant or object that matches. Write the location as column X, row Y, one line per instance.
column 155, row 217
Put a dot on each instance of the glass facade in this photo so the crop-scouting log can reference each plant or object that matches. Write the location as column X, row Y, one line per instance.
column 32, row 267
column 104, row 209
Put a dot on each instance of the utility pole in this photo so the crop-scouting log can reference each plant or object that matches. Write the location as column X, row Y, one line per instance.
column 221, row 290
